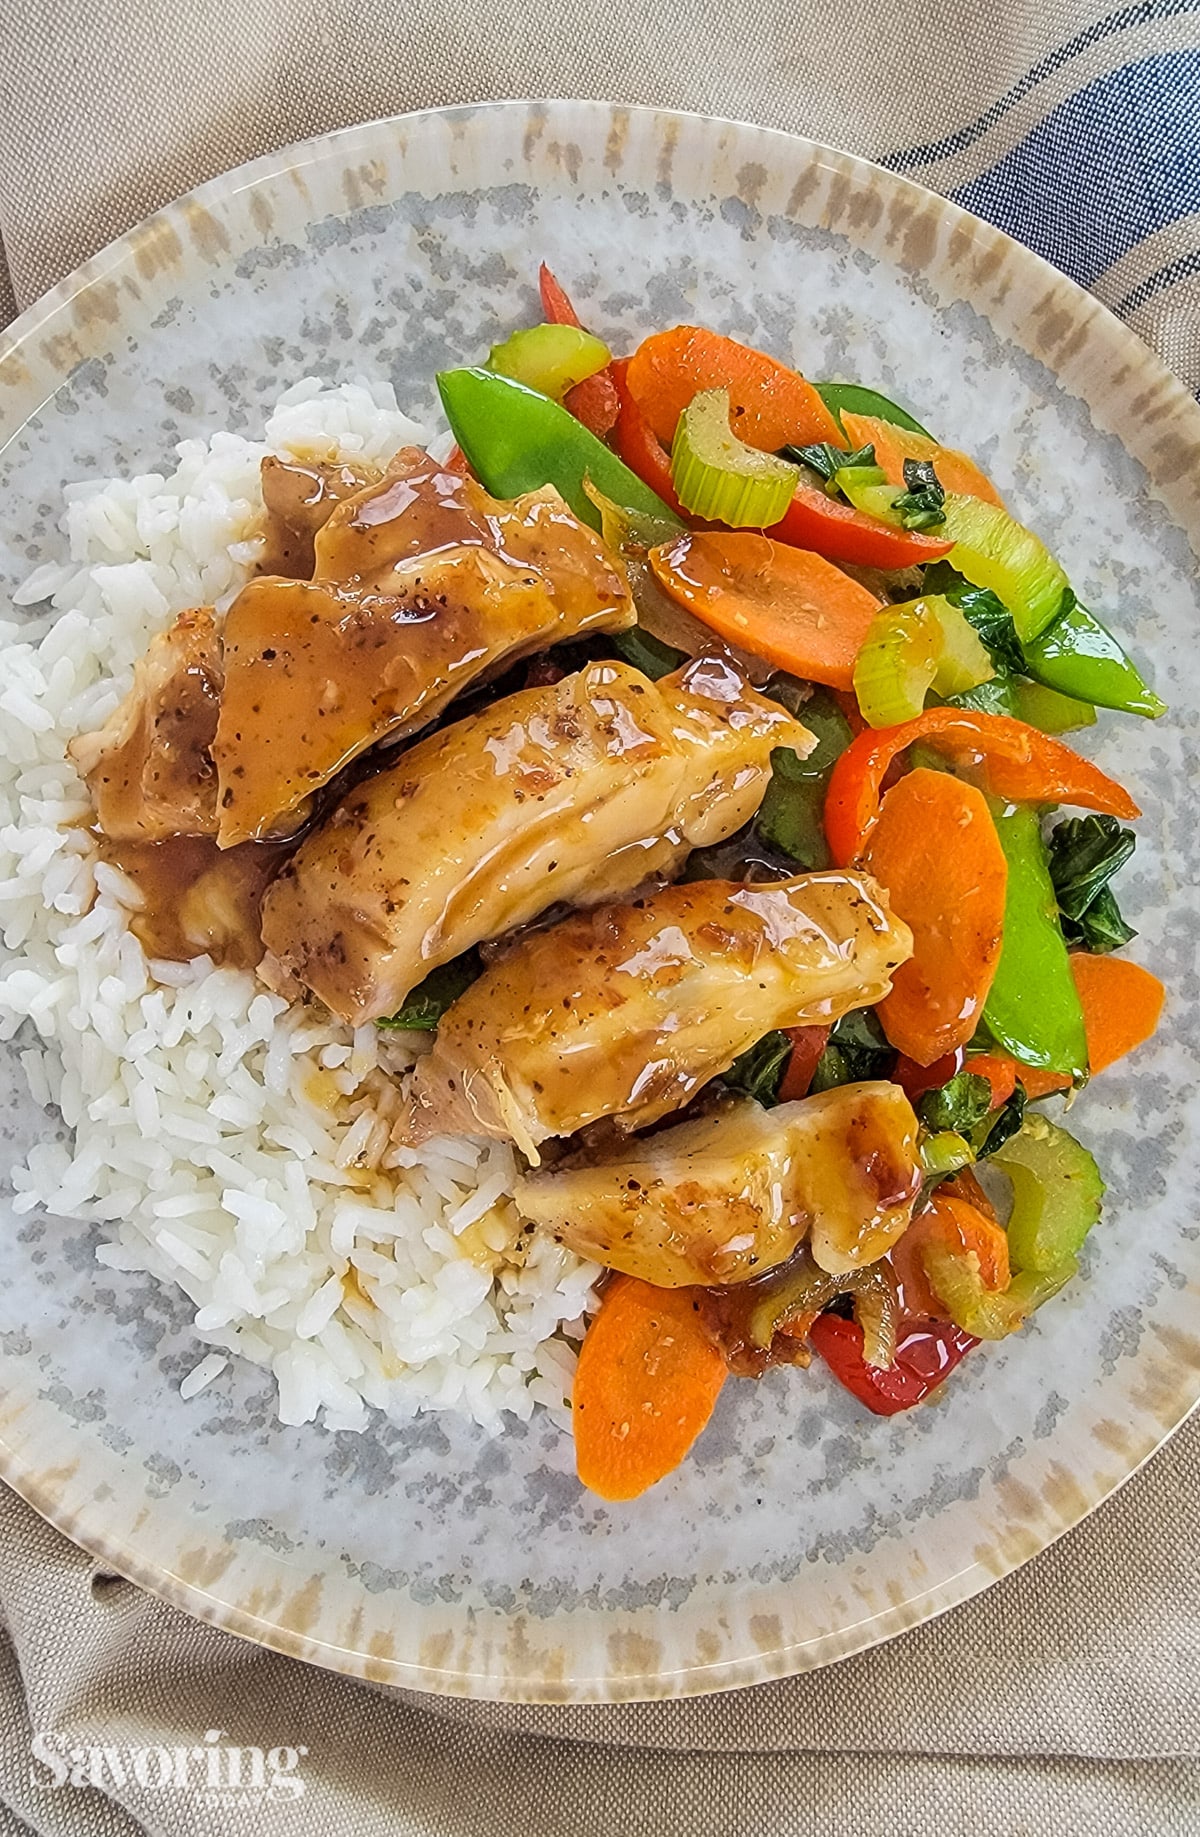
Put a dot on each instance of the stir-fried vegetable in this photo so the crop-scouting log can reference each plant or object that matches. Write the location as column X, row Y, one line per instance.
column 927, row 1351
column 517, row 440
column 549, row 358
column 1017, row 761
column 893, row 445
column 1085, row 853
column 1057, row 1191
column 593, row 401
column 1077, row 655
column 1033, row 1010
column 1122, row 1005
column 935, row 848
column 424, row 1007
column 771, row 406
column 647, row 1381
column 790, row 815
column 911, row 648
column 798, row 611
column 717, row 476
column 844, row 399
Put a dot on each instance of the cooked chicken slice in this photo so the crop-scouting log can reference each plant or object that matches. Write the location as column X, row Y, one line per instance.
column 424, row 583
column 728, row 1196
column 149, row 768
column 628, row 1010
column 299, row 499
column 572, row 792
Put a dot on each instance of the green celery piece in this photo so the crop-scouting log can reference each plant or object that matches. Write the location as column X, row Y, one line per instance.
column 517, row 440
column 863, row 401
column 1033, row 1011
column 988, row 1313
column 549, row 358
column 1057, row 1193
column 1049, row 710
column 993, row 550
column 944, row 1153
column 1078, row 656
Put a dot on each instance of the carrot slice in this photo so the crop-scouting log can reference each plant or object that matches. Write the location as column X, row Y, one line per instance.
column 936, row 850
column 893, row 445
column 770, row 405
column 789, row 606
column 647, row 1381
column 966, row 1186
column 961, row 1218
column 1121, row 1002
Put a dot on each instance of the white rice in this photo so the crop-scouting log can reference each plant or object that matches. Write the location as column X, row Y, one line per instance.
column 232, row 1145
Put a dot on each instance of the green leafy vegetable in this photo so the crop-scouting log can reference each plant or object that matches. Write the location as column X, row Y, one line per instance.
column 425, row 1005
column 646, row 652
column 922, row 505
column 759, row 1071
column 791, row 815
column 980, row 607
column 857, row 1049
column 827, row 459
column 1085, row 853
column 959, row 1104
column 1001, row 1125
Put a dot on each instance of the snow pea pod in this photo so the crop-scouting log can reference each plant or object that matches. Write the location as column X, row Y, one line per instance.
column 1033, row 1010
column 863, row 401
column 1077, row 655
column 516, row 440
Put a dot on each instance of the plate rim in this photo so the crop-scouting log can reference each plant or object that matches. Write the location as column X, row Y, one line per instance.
column 81, row 1518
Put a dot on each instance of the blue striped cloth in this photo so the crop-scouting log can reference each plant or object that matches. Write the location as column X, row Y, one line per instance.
column 1092, row 158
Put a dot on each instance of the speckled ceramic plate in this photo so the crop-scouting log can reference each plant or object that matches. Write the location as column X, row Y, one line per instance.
column 803, row 1528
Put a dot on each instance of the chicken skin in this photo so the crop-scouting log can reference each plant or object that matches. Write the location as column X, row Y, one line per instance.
column 626, row 1011
column 575, row 792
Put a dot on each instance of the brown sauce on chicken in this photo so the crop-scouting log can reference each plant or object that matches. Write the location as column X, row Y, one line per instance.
column 200, row 900
column 299, row 500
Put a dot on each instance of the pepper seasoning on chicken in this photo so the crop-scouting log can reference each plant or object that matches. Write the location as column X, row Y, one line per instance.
column 422, row 585
column 626, row 1011
column 726, row 1197
column 577, row 792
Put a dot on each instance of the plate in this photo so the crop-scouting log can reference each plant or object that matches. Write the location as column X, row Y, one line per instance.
column 802, row 1529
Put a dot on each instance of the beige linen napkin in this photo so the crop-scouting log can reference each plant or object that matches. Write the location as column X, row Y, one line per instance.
column 1066, row 1702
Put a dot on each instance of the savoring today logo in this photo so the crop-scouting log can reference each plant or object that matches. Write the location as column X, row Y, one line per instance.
column 217, row 1773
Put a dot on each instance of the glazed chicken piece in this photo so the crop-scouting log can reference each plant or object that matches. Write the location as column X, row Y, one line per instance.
column 626, row 1011
column 726, row 1197
column 423, row 585
column 149, row 768
column 579, row 791
column 299, row 499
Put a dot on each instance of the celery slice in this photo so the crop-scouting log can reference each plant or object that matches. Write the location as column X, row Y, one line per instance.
column 896, row 666
column 1057, row 1193
column 993, row 550
column 718, row 477
column 549, row 358
column 1048, row 710
column 965, row 661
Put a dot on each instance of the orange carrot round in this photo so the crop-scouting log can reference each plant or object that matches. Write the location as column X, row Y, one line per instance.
column 647, row 1381
column 793, row 608
column 893, row 445
column 1121, row 1004
column 936, row 851
column 770, row 405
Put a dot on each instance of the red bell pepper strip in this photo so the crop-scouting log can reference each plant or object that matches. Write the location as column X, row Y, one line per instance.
column 1020, row 764
column 594, row 401
column 639, row 446
column 914, row 1080
column 926, row 1352
column 808, row 1043
column 841, row 533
